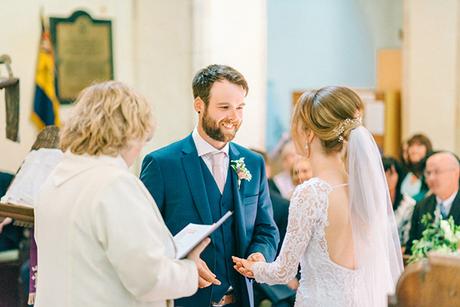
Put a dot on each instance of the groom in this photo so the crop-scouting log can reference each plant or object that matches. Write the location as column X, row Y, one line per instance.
column 194, row 181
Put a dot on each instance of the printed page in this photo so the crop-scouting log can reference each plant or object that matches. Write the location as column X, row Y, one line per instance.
column 193, row 234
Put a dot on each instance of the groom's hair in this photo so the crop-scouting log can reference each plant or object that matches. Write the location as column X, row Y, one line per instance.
column 205, row 78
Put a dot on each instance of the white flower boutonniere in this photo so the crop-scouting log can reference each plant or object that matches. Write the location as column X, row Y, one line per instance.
column 241, row 171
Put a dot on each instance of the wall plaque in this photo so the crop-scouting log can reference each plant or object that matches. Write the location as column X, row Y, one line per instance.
column 83, row 53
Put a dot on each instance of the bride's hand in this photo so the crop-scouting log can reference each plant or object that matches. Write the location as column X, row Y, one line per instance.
column 243, row 266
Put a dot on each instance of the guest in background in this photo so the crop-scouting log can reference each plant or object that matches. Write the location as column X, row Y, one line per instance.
column 301, row 170
column 283, row 180
column 403, row 157
column 35, row 168
column 413, row 182
column 38, row 164
column 279, row 203
column 442, row 176
column 403, row 205
column 101, row 239
column 392, row 170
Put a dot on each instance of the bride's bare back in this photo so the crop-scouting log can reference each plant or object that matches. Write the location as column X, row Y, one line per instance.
column 339, row 232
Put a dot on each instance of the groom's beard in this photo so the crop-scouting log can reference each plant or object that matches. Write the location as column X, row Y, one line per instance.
column 215, row 131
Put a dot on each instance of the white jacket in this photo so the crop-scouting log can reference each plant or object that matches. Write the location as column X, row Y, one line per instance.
column 102, row 241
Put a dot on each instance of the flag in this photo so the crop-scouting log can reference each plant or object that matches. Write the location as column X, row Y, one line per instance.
column 46, row 105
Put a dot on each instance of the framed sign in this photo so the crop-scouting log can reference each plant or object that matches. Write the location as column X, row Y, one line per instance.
column 83, row 53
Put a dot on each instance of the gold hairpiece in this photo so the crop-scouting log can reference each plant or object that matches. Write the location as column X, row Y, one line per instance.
column 346, row 124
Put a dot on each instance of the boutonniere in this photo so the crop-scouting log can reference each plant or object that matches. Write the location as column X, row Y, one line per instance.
column 241, row 171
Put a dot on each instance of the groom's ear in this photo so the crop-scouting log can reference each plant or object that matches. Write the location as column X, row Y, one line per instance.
column 198, row 104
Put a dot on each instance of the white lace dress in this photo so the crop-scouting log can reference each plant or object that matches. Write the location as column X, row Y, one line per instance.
column 323, row 282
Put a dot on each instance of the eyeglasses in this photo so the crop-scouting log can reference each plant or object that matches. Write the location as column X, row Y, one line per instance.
column 436, row 172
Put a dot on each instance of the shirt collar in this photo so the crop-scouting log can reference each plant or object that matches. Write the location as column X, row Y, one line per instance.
column 447, row 203
column 203, row 147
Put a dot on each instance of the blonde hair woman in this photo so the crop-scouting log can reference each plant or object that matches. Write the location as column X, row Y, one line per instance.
column 101, row 239
column 341, row 226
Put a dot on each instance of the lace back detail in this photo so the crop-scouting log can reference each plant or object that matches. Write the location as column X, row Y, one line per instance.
column 323, row 283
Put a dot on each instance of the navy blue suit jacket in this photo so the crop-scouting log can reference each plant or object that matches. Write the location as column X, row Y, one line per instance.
column 173, row 175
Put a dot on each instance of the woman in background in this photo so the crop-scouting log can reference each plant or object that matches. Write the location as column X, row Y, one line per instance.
column 101, row 239
column 413, row 183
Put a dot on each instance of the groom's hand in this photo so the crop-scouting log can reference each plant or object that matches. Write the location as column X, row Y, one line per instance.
column 206, row 277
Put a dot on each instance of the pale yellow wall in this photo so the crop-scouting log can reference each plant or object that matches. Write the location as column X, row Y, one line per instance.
column 430, row 70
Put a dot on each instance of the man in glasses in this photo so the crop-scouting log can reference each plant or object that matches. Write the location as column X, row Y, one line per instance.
column 442, row 175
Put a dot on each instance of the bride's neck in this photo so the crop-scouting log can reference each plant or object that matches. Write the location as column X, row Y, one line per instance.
column 325, row 163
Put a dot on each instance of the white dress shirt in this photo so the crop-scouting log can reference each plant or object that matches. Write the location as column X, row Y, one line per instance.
column 206, row 150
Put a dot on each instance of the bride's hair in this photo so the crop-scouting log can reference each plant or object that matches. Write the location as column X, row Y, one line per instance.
column 330, row 113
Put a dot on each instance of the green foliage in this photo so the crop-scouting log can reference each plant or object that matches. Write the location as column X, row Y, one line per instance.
column 439, row 235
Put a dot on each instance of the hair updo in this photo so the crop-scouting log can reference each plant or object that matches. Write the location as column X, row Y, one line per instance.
column 330, row 113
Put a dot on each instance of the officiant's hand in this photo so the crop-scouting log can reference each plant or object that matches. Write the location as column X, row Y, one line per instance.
column 244, row 266
column 206, row 277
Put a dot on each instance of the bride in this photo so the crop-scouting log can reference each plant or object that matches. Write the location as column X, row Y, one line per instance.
column 341, row 227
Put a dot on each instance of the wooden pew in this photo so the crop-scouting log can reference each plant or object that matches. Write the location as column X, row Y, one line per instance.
column 431, row 282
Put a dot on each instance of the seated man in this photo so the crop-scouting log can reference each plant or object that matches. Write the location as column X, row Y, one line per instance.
column 442, row 174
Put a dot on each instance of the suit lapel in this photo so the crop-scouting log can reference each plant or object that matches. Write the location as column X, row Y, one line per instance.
column 455, row 209
column 192, row 168
column 237, row 196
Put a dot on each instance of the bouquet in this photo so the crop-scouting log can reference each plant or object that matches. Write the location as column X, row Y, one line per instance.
column 441, row 236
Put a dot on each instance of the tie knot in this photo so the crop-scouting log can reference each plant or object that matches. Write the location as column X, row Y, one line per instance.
column 218, row 158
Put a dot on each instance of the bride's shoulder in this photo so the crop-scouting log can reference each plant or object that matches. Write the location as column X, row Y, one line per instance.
column 317, row 184
column 314, row 187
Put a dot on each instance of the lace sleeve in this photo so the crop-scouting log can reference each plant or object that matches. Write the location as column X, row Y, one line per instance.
column 306, row 212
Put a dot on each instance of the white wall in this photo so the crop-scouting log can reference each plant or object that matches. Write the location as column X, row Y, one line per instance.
column 234, row 33
column 431, row 71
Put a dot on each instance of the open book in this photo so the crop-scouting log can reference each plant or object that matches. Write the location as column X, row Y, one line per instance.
column 193, row 234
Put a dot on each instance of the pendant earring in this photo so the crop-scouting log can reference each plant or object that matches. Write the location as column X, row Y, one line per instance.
column 307, row 150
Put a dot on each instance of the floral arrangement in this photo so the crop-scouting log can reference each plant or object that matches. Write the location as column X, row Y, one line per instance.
column 241, row 171
column 441, row 236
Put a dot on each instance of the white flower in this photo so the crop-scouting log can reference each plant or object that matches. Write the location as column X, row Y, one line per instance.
column 457, row 236
column 443, row 250
column 448, row 234
column 241, row 171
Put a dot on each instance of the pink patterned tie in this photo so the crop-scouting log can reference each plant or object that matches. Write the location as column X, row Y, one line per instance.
column 218, row 169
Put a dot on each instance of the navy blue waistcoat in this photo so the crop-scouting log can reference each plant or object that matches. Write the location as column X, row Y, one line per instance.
column 224, row 237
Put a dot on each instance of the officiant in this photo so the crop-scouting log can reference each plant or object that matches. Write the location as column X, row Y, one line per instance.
column 101, row 238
